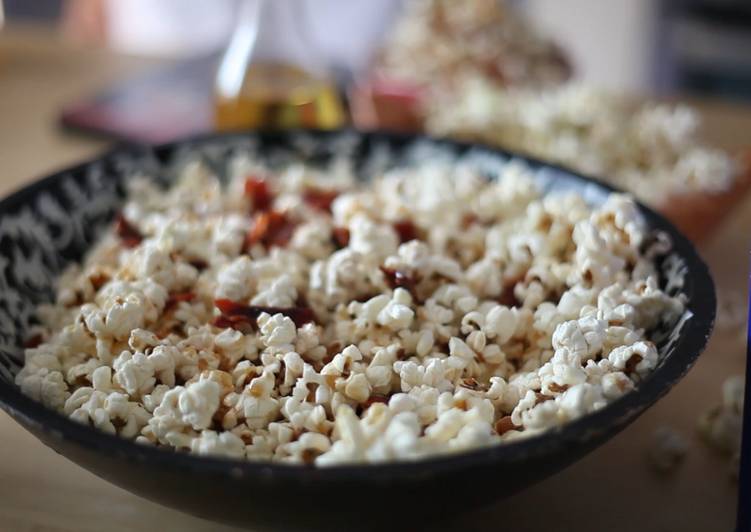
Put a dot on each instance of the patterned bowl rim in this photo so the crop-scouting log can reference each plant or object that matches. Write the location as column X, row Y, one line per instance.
column 607, row 421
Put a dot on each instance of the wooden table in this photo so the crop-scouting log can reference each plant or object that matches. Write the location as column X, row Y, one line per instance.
column 611, row 489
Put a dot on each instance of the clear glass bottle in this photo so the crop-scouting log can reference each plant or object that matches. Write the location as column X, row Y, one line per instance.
column 271, row 76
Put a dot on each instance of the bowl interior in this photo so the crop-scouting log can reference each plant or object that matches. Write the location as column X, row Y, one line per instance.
column 47, row 225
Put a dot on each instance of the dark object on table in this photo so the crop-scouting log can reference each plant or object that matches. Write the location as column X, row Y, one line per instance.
column 702, row 48
column 159, row 106
column 55, row 220
column 38, row 11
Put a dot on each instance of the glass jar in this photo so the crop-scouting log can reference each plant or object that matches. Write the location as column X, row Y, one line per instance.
column 271, row 75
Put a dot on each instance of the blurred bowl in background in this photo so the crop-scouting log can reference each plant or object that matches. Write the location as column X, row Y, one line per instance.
column 393, row 105
column 699, row 214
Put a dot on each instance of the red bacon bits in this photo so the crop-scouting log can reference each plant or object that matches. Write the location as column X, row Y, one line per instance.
column 270, row 228
column 33, row 341
column 397, row 279
column 257, row 189
column 240, row 323
column 128, row 233
column 406, row 230
column 340, row 237
column 319, row 198
column 234, row 314
column 176, row 297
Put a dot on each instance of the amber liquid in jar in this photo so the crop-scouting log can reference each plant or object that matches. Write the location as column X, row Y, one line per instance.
column 275, row 96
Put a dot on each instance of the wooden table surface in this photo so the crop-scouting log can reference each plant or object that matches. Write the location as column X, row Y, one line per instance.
column 610, row 489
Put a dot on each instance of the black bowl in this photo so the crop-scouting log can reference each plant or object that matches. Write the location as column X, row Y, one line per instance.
column 55, row 220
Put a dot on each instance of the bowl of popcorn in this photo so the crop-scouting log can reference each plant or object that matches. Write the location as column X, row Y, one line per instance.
column 271, row 328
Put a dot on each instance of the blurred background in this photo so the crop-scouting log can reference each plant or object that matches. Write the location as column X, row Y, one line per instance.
column 667, row 46
column 653, row 96
column 696, row 46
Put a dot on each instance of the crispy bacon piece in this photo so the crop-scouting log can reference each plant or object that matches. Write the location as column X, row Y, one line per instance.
column 398, row 279
column 234, row 313
column 176, row 297
column 33, row 341
column 270, row 228
column 406, row 230
column 340, row 237
column 319, row 198
column 128, row 233
column 233, row 322
column 257, row 189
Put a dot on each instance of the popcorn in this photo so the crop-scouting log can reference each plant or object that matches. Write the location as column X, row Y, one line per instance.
column 371, row 239
column 277, row 330
column 500, row 324
column 134, row 373
column 441, row 43
column 640, row 357
column 501, row 315
column 358, row 387
column 652, row 150
column 396, row 314
column 721, row 427
column 198, row 403
column 46, row 386
column 77, row 373
column 218, row 444
column 668, row 450
column 582, row 338
column 281, row 292
column 228, row 235
column 236, row 280
column 110, row 412
column 615, row 384
column 154, row 399
column 425, row 343
column 579, row 399
column 309, row 446
column 101, row 379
